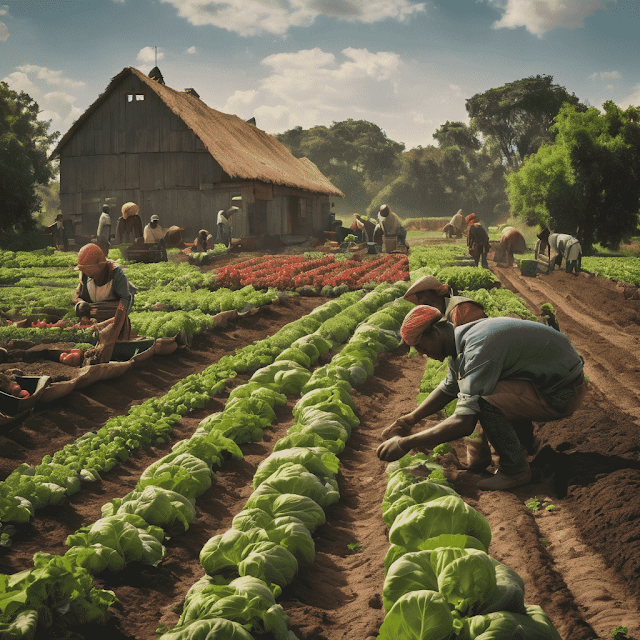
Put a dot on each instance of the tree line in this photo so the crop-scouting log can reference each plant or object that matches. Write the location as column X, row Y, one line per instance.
column 531, row 150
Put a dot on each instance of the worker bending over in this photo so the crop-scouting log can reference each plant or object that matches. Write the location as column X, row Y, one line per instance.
column 505, row 372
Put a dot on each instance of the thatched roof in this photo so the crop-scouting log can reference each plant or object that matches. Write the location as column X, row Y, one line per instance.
column 242, row 150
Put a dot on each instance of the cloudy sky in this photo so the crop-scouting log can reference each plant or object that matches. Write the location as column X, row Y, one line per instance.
column 405, row 65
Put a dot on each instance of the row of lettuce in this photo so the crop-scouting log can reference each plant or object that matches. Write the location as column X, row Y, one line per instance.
column 129, row 538
column 124, row 535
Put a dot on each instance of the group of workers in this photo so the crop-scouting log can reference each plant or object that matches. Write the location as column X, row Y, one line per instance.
column 388, row 225
column 505, row 372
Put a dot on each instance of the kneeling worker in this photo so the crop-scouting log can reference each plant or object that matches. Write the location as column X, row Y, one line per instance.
column 103, row 290
column 505, row 372
column 154, row 234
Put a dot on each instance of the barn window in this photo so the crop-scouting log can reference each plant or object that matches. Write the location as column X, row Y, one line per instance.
column 135, row 97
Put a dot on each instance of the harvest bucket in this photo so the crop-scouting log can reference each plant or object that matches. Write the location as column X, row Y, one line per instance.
column 390, row 243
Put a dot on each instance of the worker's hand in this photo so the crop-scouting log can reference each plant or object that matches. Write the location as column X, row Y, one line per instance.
column 391, row 450
column 401, row 427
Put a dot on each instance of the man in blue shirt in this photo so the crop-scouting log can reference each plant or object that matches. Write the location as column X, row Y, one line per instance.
column 505, row 372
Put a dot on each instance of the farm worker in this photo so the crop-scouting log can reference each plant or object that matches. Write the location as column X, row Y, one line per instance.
column 202, row 241
column 59, row 233
column 154, row 234
column 542, row 244
column 512, row 241
column 458, row 310
column 562, row 245
column 103, row 289
column 391, row 224
column 224, row 226
column 129, row 224
column 104, row 230
column 477, row 241
column 363, row 228
column 455, row 225
column 505, row 372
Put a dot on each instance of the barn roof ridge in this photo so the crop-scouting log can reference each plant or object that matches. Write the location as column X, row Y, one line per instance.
column 241, row 149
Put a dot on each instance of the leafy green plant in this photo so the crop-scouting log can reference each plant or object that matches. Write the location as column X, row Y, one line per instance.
column 544, row 542
column 356, row 547
column 536, row 503
column 619, row 632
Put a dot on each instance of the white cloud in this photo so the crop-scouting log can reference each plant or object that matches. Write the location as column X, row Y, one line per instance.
column 251, row 17
column 540, row 16
column 4, row 10
column 147, row 57
column 240, row 101
column 4, row 32
column 314, row 78
column 191, row 50
column 605, row 75
column 19, row 81
column 50, row 76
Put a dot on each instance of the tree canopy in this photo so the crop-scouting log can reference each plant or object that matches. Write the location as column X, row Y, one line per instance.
column 588, row 182
column 24, row 163
column 353, row 154
column 519, row 115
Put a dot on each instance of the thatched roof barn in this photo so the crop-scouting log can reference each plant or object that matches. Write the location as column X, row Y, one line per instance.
column 166, row 150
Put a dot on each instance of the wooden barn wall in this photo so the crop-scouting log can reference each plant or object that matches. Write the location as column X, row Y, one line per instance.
column 140, row 151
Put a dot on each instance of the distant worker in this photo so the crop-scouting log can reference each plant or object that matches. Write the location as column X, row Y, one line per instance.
column 542, row 244
column 104, row 230
column 59, row 234
column 224, row 226
column 155, row 234
column 562, row 245
column 202, row 242
column 512, row 241
column 129, row 224
column 363, row 228
column 505, row 372
column 477, row 241
column 455, row 226
column 391, row 224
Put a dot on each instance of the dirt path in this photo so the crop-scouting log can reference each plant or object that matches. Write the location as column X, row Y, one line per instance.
column 586, row 575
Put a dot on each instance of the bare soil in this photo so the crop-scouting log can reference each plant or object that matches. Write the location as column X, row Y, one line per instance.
column 580, row 561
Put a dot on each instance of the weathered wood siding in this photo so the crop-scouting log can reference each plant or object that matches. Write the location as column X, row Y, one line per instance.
column 132, row 150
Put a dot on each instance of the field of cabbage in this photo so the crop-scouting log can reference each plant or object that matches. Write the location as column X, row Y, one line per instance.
column 232, row 490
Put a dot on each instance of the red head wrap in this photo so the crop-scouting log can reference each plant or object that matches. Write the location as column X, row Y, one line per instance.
column 90, row 256
column 417, row 321
column 471, row 218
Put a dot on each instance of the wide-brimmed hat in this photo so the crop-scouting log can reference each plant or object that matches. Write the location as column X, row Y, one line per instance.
column 426, row 283
column 418, row 321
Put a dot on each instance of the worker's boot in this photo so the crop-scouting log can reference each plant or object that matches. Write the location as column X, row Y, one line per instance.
column 478, row 452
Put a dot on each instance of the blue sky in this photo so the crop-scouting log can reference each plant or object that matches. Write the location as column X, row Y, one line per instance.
column 407, row 66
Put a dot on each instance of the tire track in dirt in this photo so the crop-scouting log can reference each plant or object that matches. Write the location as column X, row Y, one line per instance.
column 611, row 351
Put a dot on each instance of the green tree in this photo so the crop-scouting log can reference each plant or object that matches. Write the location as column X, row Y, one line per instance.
column 457, row 134
column 588, row 182
column 355, row 155
column 24, row 162
column 518, row 115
